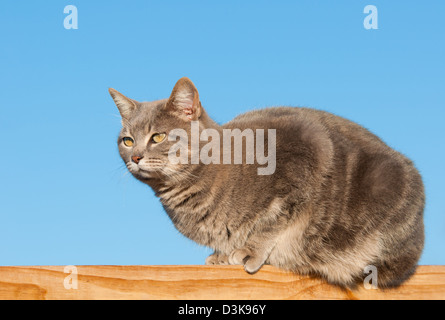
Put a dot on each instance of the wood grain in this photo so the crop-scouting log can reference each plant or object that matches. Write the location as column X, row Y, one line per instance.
column 198, row 282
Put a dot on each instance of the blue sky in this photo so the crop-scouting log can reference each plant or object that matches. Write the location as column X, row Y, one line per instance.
column 65, row 197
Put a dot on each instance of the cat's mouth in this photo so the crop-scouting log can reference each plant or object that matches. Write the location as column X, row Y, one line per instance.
column 147, row 169
column 143, row 171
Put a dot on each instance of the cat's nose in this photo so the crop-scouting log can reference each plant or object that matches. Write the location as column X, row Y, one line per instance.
column 136, row 159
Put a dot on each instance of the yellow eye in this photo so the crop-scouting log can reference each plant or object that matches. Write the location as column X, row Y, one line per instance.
column 128, row 141
column 158, row 137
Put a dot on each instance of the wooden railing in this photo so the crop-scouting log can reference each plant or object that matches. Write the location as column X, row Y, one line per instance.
column 196, row 282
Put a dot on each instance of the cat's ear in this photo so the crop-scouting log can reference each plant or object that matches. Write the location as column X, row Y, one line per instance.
column 184, row 100
column 125, row 105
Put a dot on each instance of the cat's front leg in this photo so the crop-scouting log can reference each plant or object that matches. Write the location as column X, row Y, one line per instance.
column 251, row 259
column 217, row 259
column 255, row 252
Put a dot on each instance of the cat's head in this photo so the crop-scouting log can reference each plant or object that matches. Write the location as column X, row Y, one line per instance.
column 143, row 141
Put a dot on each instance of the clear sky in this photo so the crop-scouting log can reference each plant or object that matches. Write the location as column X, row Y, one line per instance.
column 65, row 196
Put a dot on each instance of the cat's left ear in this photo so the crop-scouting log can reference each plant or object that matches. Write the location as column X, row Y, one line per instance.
column 184, row 100
column 125, row 105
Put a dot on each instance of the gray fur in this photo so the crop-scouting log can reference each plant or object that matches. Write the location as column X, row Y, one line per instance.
column 339, row 200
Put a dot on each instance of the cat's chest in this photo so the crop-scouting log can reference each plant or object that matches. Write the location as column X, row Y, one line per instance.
column 197, row 218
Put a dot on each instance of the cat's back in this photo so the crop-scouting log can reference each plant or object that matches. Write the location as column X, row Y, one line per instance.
column 337, row 146
column 342, row 132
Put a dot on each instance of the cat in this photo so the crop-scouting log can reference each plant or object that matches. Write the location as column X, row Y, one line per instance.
column 338, row 201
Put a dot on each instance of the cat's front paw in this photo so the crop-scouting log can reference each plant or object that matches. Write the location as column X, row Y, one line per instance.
column 244, row 256
column 217, row 259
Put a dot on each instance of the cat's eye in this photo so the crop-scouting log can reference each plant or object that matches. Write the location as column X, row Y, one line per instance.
column 128, row 141
column 158, row 137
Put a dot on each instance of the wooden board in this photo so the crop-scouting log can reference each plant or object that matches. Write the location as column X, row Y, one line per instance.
column 196, row 282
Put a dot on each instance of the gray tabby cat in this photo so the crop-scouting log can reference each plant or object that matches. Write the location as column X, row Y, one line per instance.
column 339, row 200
